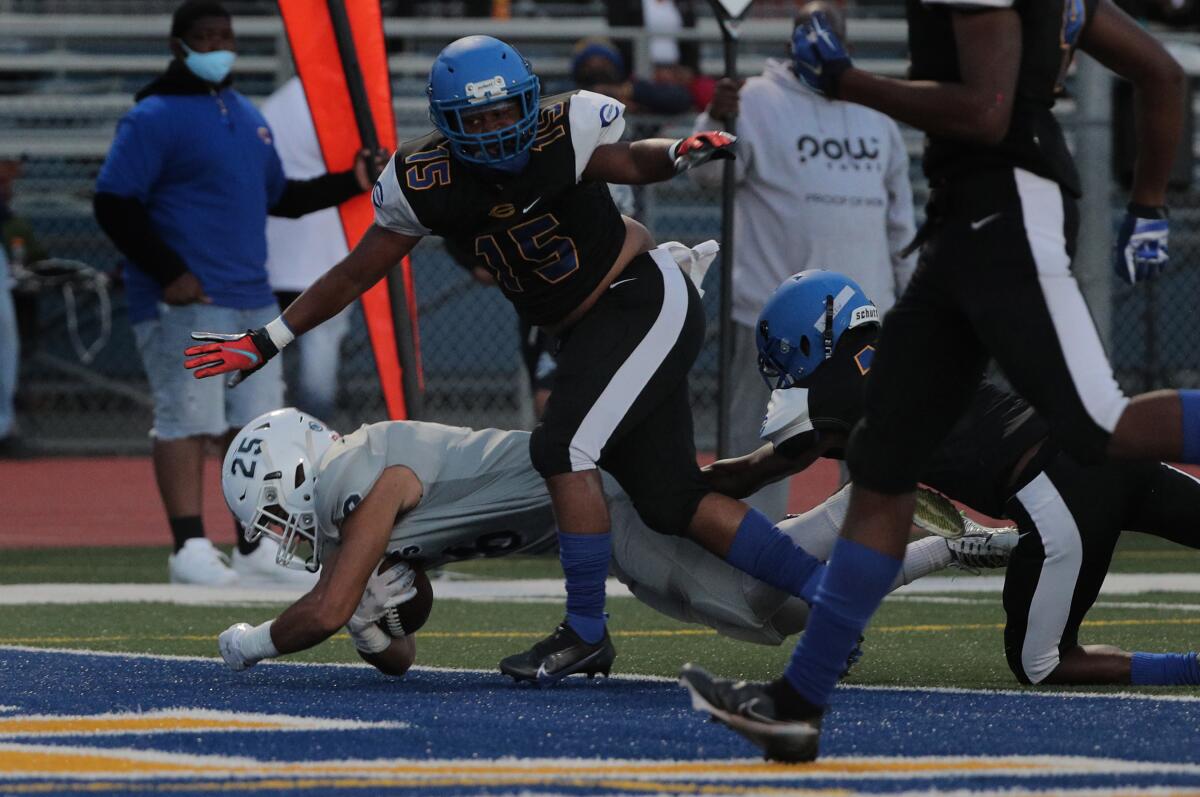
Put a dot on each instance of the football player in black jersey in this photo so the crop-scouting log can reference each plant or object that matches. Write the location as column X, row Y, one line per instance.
column 519, row 181
column 997, row 460
column 994, row 279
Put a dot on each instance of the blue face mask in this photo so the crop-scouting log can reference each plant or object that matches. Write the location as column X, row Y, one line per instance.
column 212, row 67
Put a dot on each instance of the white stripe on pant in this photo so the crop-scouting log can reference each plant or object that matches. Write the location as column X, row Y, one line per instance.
column 1051, row 605
column 1042, row 213
column 634, row 374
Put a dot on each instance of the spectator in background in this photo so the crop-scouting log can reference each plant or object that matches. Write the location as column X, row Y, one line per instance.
column 820, row 184
column 184, row 194
column 661, row 17
column 300, row 250
column 597, row 65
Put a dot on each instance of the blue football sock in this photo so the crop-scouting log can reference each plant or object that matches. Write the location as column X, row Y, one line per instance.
column 1189, row 401
column 766, row 553
column 584, row 560
column 1164, row 669
column 856, row 580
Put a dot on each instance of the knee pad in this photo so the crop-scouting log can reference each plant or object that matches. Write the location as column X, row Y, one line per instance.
column 882, row 462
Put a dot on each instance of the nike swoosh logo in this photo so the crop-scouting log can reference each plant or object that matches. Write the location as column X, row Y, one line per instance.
column 529, row 207
column 621, row 282
column 254, row 358
column 986, row 220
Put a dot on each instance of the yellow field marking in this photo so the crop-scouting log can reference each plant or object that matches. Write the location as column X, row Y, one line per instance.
column 325, row 784
column 78, row 762
column 21, row 726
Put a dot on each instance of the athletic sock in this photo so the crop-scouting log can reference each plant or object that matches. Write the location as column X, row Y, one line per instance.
column 584, row 560
column 765, row 552
column 1189, row 401
column 1164, row 669
column 244, row 547
column 185, row 528
column 926, row 555
column 855, row 583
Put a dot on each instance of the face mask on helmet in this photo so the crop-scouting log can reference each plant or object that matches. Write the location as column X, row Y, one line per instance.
column 483, row 98
column 269, row 480
column 800, row 325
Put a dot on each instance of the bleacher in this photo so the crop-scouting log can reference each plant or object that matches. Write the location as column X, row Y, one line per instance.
column 67, row 74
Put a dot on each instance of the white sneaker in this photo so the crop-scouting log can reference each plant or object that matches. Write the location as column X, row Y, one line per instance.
column 198, row 562
column 258, row 569
column 983, row 547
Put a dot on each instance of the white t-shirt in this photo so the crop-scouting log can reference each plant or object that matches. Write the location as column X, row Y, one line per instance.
column 821, row 184
column 299, row 250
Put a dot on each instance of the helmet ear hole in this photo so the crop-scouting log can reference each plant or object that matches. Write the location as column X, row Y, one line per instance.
column 805, row 346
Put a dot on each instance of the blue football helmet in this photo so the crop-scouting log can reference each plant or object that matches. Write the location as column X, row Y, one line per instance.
column 802, row 322
column 474, row 73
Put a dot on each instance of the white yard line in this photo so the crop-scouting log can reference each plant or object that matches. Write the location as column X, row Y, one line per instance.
column 506, row 590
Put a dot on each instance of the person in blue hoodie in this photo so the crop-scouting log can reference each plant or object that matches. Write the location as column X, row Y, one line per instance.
column 184, row 194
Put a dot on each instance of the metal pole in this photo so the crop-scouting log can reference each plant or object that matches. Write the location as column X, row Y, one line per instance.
column 353, row 72
column 1093, row 154
column 402, row 320
column 725, row 342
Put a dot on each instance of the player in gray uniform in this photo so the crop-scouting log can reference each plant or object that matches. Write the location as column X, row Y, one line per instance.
column 433, row 494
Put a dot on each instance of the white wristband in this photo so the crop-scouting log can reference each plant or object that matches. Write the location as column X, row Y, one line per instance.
column 371, row 639
column 257, row 645
column 280, row 333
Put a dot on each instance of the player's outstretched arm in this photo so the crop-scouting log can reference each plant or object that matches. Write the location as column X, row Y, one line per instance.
column 653, row 160
column 742, row 476
column 241, row 354
column 977, row 108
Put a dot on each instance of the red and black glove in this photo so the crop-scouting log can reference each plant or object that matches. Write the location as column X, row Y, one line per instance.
column 700, row 148
column 242, row 353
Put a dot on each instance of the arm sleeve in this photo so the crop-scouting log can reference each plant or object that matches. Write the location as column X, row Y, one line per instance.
column 787, row 416
column 595, row 120
column 900, row 225
column 126, row 222
column 392, row 211
column 299, row 197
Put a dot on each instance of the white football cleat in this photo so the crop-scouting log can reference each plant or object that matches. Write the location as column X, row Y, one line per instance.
column 258, row 569
column 199, row 562
column 983, row 547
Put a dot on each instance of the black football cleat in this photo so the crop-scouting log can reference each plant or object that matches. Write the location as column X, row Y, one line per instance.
column 751, row 710
column 561, row 654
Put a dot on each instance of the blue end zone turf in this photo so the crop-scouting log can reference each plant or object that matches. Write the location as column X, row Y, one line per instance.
column 66, row 717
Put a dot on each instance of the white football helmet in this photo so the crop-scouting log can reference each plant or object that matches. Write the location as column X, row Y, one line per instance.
column 269, row 478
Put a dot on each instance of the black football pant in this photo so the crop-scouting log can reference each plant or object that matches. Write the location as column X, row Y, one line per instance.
column 1070, row 517
column 620, row 398
column 994, row 279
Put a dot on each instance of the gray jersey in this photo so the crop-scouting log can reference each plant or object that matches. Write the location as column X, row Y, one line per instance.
column 482, row 496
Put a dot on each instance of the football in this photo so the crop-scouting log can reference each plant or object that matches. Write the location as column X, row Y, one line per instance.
column 408, row 617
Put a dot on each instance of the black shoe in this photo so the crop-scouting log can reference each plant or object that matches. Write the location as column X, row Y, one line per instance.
column 754, row 711
column 561, row 654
